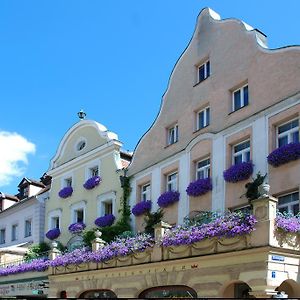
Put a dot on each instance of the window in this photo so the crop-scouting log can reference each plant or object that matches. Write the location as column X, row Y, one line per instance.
column 203, row 118
column 94, row 171
column 241, row 152
column 289, row 203
column 173, row 135
column 14, row 232
column 55, row 222
column 172, row 182
column 28, row 228
column 79, row 215
column 146, row 192
column 203, row 169
column 68, row 181
column 26, row 191
column 240, row 98
column 80, row 145
column 288, row 133
column 203, row 71
column 107, row 208
column 2, row 236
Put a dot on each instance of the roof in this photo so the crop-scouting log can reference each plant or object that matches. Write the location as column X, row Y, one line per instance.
column 8, row 197
column 30, row 181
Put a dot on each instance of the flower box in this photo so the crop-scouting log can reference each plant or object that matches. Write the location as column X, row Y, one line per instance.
column 168, row 198
column 65, row 192
column 284, row 154
column 92, row 182
column 199, row 187
column 142, row 207
column 106, row 220
column 76, row 227
column 238, row 172
column 52, row 234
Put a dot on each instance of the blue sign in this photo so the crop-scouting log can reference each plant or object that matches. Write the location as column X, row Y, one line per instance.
column 273, row 274
column 277, row 258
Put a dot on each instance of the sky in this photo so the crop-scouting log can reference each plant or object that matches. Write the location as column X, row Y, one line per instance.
column 111, row 58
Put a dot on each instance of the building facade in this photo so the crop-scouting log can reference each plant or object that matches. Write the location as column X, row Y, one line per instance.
column 230, row 99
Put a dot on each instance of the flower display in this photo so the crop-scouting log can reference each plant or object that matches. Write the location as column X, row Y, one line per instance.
column 142, row 207
column 36, row 265
column 52, row 234
column 106, row 220
column 238, row 172
column 92, row 182
column 199, row 187
column 288, row 222
column 65, row 192
column 168, row 198
column 228, row 225
column 284, row 154
column 76, row 227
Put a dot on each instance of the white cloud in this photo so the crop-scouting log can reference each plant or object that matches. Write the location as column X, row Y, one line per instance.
column 14, row 150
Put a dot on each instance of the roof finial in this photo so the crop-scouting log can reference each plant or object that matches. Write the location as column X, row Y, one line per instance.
column 81, row 114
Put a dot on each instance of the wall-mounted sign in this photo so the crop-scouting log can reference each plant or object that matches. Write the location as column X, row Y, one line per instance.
column 277, row 257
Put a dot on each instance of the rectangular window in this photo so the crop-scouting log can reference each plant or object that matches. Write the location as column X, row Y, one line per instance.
column 14, row 232
column 94, row 171
column 173, row 134
column 2, row 236
column 68, row 181
column 146, row 192
column 54, row 222
column 28, row 228
column 203, row 169
column 203, row 118
column 241, row 152
column 172, row 182
column 79, row 215
column 289, row 203
column 108, row 208
column 203, row 71
column 240, row 98
column 288, row 133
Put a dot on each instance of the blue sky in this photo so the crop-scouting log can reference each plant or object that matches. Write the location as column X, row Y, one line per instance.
column 111, row 58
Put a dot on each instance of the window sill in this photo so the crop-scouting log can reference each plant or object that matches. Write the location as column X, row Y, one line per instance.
column 201, row 128
column 237, row 109
column 201, row 81
column 170, row 145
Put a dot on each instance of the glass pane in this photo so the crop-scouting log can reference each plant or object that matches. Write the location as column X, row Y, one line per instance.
column 237, row 99
column 295, row 196
column 203, row 163
column 247, row 156
column 288, row 126
column 282, row 141
column 79, row 215
column 241, row 146
column 207, row 116
column 283, row 209
column 246, row 95
column 295, row 137
column 207, row 69
column 201, row 73
column 285, row 199
column 200, row 174
column 295, row 209
column 201, row 120
column 238, row 159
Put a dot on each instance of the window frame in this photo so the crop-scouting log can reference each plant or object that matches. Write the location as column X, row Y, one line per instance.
column 241, row 152
column 14, row 232
column 26, row 233
column 170, row 182
column 242, row 97
column 207, row 70
column 55, row 220
column 145, row 194
column 290, row 204
column 2, row 236
column 205, row 169
column 287, row 133
column 172, row 138
column 94, row 171
column 206, row 117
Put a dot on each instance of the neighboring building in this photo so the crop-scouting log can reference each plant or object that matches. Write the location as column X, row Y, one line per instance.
column 230, row 99
column 22, row 218
column 87, row 149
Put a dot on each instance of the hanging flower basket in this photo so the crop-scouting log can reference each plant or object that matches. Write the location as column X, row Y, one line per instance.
column 92, row 182
column 142, row 207
column 284, row 154
column 65, row 192
column 199, row 187
column 52, row 234
column 106, row 220
column 239, row 172
column 168, row 198
column 76, row 227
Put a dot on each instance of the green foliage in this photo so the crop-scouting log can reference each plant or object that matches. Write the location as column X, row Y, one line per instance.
column 252, row 187
column 152, row 219
column 36, row 251
column 202, row 217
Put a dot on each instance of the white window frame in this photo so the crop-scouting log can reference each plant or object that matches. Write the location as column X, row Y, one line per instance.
column 146, row 191
column 287, row 133
column 76, row 207
column 109, row 197
column 241, row 89
column 207, row 71
column 289, row 205
column 54, row 222
column 65, row 178
column 90, row 166
column 242, row 152
column 57, row 213
column 170, row 183
column 14, row 232
column 2, row 238
column 173, row 134
column 78, row 143
column 205, row 169
column 206, row 121
column 27, row 234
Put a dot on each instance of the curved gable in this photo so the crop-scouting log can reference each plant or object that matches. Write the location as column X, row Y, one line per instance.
column 89, row 133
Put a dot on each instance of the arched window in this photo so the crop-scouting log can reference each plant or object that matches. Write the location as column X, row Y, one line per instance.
column 169, row 291
column 100, row 294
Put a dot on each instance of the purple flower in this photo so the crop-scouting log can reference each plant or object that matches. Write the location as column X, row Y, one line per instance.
column 284, row 154
column 168, row 198
column 288, row 222
column 142, row 207
column 199, row 187
column 92, row 182
column 238, row 172
column 52, row 234
column 76, row 227
column 65, row 192
column 104, row 221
